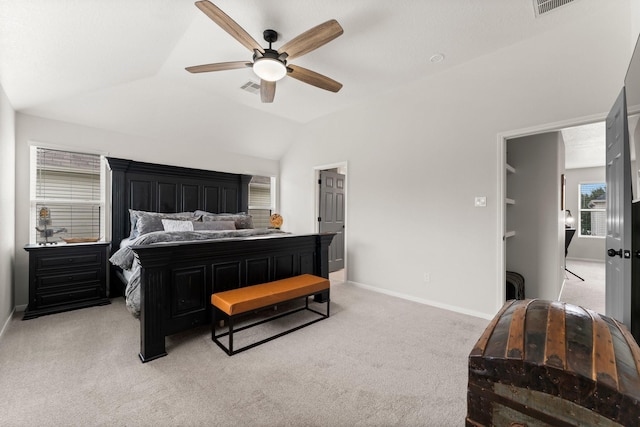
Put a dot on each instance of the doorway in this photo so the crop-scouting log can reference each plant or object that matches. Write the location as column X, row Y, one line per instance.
column 331, row 202
column 580, row 247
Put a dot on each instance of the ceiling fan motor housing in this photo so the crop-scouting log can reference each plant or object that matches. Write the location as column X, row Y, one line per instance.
column 269, row 53
column 270, row 36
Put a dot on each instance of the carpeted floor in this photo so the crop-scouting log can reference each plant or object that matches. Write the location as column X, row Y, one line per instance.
column 378, row 361
column 590, row 293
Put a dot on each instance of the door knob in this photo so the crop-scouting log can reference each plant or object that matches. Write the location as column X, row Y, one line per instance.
column 613, row 252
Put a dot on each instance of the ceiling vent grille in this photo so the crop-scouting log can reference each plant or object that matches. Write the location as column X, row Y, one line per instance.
column 251, row 87
column 545, row 6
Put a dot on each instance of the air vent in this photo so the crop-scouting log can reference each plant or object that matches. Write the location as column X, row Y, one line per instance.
column 251, row 87
column 545, row 6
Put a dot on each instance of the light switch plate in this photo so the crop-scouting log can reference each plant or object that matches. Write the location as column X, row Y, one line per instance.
column 481, row 202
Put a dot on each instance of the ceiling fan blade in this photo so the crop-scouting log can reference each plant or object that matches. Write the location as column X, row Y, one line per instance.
column 267, row 91
column 312, row 39
column 228, row 24
column 220, row 66
column 313, row 78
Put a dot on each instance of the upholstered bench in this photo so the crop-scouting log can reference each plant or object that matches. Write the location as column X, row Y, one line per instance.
column 245, row 301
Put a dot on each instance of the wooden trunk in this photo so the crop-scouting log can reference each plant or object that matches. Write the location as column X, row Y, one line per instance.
column 551, row 363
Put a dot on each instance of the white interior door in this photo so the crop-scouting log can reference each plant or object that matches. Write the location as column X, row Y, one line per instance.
column 618, row 241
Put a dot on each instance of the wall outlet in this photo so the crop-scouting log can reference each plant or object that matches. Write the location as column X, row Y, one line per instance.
column 427, row 278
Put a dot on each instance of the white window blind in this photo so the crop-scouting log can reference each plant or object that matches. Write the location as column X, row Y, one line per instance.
column 260, row 200
column 69, row 184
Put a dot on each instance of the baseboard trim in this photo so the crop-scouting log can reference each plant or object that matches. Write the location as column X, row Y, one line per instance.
column 6, row 323
column 423, row 301
column 585, row 260
column 564, row 281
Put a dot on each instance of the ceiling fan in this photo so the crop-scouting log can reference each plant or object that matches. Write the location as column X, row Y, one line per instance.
column 270, row 64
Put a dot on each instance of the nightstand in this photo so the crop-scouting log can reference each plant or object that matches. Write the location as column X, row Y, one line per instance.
column 65, row 277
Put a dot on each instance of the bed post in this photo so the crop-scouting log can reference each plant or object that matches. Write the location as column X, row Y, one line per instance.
column 154, row 293
column 243, row 194
column 323, row 241
column 118, row 168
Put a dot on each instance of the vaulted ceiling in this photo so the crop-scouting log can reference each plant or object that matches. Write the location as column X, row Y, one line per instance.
column 119, row 64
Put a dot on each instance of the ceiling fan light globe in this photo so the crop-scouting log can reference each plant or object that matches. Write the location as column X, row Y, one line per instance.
column 269, row 69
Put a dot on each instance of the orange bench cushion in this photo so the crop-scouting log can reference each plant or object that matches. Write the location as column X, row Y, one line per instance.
column 249, row 298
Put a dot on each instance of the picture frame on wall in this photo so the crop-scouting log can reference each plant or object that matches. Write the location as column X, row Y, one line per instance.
column 563, row 185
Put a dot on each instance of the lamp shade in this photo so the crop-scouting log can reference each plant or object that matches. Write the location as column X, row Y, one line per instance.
column 269, row 69
column 568, row 219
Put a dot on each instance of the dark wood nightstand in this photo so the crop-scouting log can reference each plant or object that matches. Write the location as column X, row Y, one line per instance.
column 65, row 277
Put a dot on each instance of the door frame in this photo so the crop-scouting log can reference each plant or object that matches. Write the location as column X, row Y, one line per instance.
column 501, row 190
column 343, row 167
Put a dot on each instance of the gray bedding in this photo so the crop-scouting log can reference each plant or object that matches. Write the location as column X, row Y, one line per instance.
column 125, row 257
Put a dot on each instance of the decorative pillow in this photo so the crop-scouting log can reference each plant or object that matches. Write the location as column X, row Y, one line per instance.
column 177, row 225
column 133, row 219
column 203, row 213
column 148, row 222
column 135, row 214
column 214, row 225
column 242, row 220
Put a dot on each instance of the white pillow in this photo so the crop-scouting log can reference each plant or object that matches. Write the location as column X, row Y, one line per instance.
column 177, row 225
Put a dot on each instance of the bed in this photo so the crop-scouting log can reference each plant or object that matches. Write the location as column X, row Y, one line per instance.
column 177, row 278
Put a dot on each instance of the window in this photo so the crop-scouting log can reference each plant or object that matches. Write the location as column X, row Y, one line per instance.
column 261, row 200
column 593, row 215
column 67, row 194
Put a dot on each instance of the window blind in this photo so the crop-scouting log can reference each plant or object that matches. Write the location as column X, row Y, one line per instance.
column 260, row 201
column 69, row 185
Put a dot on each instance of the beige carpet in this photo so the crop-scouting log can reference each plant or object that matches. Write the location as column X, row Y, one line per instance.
column 590, row 293
column 378, row 361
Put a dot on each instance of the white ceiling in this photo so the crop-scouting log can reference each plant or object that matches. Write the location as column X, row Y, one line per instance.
column 585, row 145
column 119, row 64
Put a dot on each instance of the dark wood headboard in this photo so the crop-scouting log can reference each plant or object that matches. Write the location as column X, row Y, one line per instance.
column 161, row 188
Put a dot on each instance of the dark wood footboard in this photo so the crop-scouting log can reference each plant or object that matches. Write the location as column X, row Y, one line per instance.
column 178, row 278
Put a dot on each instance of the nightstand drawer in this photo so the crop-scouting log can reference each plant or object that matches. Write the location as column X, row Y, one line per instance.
column 67, row 278
column 68, row 296
column 71, row 260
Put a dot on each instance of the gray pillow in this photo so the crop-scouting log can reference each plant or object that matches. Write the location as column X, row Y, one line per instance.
column 203, row 213
column 242, row 220
column 214, row 225
column 148, row 222
column 135, row 214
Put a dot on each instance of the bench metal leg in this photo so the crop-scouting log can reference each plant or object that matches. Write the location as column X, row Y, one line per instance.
column 230, row 335
column 214, row 322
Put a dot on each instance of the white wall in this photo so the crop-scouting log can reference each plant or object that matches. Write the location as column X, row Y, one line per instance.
column 584, row 248
column 81, row 138
column 423, row 152
column 7, row 207
column 418, row 157
column 537, row 249
column 635, row 20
